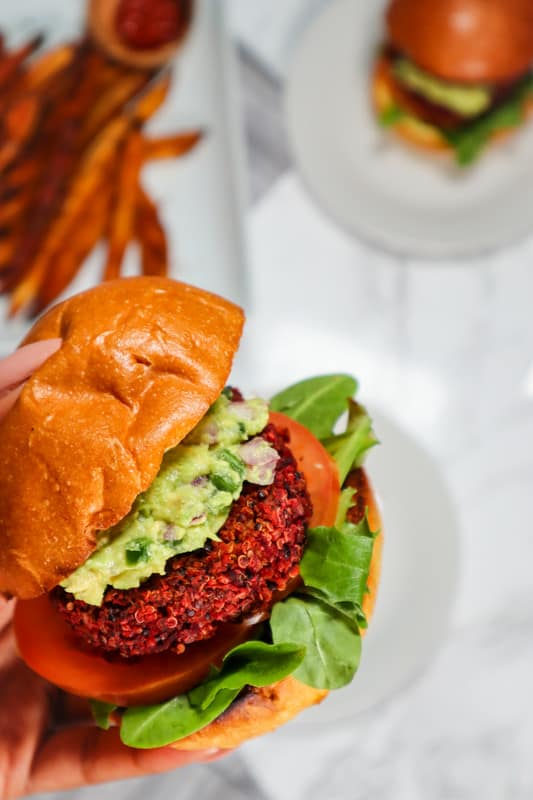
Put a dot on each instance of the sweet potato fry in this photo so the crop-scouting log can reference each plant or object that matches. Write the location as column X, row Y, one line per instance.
column 60, row 155
column 6, row 250
column 171, row 146
column 8, row 151
column 87, row 231
column 90, row 175
column 123, row 212
column 49, row 64
column 11, row 63
column 20, row 121
column 17, row 178
column 8, row 246
column 77, row 182
column 151, row 236
column 111, row 71
column 11, row 211
column 152, row 98
column 21, row 116
column 111, row 102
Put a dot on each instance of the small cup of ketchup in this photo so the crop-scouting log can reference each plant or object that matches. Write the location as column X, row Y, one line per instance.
column 142, row 33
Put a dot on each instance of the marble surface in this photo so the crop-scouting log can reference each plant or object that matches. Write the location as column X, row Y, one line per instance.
column 447, row 351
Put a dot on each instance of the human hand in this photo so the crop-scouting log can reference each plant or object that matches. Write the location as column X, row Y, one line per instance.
column 47, row 739
column 17, row 368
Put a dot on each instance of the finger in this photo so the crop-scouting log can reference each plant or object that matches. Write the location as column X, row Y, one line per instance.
column 6, row 611
column 7, row 399
column 88, row 755
column 19, row 365
column 23, row 720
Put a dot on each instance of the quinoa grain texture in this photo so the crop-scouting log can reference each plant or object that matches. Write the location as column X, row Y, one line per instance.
column 260, row 547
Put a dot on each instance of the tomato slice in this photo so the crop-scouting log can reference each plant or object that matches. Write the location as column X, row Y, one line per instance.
column 317, row 465
column 48, row 645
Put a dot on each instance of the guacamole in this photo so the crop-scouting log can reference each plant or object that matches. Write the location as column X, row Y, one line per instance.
column 186, row 504
column 468, row 101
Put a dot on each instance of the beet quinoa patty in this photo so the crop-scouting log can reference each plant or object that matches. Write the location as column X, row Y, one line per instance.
column 261, row 546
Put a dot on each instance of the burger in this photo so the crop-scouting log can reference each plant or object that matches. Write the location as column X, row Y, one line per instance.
column 199, row 564
column 455, row 74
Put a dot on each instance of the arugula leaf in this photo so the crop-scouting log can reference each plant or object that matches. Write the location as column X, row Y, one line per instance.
column 317, row 402
column 332, row 641
column 250, row 664
column 349, row 448
column 102, row 713
column 334, row 569
column 352, row 611
column 337, row 562
column 145, row 727
column 470, row 139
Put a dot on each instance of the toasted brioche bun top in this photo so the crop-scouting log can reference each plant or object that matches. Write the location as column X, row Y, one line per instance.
column 469, row 41
column 142, row 360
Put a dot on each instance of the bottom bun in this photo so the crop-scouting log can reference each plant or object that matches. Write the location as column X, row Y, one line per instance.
column 261, row 710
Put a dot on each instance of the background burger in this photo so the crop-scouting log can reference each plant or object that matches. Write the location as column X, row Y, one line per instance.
column 454, row 74
column 196, row 563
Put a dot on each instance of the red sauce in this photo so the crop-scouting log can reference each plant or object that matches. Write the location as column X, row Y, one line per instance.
column 148, row 24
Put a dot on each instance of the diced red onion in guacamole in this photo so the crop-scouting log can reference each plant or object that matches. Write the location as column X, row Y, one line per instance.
column 260, row 459
column 242, row 410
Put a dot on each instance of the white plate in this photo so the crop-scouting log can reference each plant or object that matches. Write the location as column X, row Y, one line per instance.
column 410, row 203
column 421, row 549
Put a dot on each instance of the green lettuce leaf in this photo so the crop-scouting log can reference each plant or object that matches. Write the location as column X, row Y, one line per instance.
column 145, row 727
column 316, row 402
column 352, row 611
column 102, row 713
column 337, row 562
column 346, row 501
column 390, row 116
column 250, row 664
column 349, row 448
column 331, row 640
column 327, row 615
column 469, row 140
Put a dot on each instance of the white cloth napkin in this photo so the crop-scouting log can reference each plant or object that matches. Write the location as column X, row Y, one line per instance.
column 269, row 30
